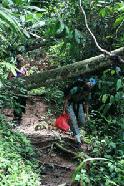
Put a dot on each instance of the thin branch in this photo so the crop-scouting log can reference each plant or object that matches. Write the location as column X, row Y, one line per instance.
column 93, row 36
column 35, row 35
column 111, row 55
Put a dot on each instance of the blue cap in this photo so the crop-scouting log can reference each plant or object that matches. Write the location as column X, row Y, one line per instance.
column 92, row 81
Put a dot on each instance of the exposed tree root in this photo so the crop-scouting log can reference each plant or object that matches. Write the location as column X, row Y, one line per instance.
column 65, row 150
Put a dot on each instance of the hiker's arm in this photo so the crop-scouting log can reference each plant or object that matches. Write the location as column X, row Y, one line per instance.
column 65, row 103
column 23, row 71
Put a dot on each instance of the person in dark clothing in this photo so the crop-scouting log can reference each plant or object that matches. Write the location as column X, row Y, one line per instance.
column 20, row 98
column 77, row 99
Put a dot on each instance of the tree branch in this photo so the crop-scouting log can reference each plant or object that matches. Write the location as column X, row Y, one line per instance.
column 94, row 38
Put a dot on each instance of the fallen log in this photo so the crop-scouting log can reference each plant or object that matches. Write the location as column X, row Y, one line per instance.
column 71, row 70
column 62, row 73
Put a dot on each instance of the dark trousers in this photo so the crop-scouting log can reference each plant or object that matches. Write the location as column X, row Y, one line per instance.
column 19, row 106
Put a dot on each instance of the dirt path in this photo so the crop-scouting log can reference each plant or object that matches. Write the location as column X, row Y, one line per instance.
column 56, row 166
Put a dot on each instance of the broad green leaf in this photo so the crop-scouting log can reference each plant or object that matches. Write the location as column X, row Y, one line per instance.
column 77, row 177
column 121, row 8
column 78, row 36
column 62, row 26
column 118, row 84
column 107, row 107
column 113, row 72
column 102, row 12
column 119, row 95
column 29, row 17
column 69, row 33
column 112, row 99
column 104, row 98
column 113, row 145
column 119, row 20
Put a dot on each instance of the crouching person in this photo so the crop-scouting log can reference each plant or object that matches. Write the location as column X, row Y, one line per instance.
column 76, row 104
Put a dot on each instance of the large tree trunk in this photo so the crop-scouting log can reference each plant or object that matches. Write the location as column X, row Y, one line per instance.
column 71, row 70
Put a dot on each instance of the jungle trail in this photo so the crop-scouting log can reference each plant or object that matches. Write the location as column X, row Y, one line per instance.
column 57, row 154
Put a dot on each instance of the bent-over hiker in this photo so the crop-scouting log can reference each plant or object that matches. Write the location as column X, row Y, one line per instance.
column 77, row 98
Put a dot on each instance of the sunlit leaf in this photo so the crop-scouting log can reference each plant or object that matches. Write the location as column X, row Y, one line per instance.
column 119, row 84
column 102, row 12
column 104, row 98
column 62, row 26
column 119, row 20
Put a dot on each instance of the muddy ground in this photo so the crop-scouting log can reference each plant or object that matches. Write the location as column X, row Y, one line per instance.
column 57, row 165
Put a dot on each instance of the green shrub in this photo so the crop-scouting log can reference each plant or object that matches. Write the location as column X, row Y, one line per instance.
column 18, row 166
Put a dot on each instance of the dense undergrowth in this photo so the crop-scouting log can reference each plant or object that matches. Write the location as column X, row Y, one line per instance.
column 18, row 164
column 104, row 131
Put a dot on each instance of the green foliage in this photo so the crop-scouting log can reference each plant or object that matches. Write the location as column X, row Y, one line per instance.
column 18, row 165
column 105, row 134
column 52, row 95
column 107, row 173
column 103, row 145
column 66, row 25
column 62, row 23
column 18, row 22
column 111, row 88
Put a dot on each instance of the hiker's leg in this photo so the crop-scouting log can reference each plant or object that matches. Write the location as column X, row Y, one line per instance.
column 74, row 124
column 18, row 109
column 81, row 115
column 22, row 102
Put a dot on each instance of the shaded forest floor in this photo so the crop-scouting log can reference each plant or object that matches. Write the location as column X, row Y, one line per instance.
column 56, row 150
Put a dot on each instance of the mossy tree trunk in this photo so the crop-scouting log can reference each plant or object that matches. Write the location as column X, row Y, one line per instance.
column 82, row 67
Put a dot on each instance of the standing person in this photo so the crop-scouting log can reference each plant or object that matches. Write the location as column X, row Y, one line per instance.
column 76, row 101
column 20, row 98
